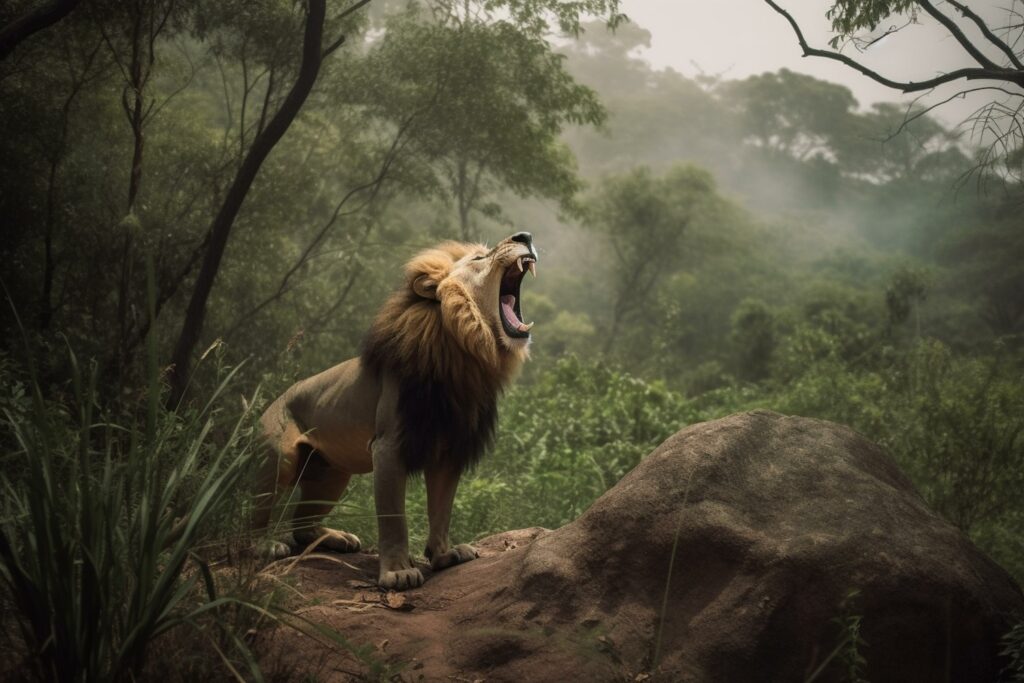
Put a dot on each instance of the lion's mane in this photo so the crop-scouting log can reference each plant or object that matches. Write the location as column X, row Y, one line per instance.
column 448, row 362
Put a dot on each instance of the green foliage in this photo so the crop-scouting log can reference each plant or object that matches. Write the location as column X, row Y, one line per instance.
column 1013, row 650
column 966, row 441
column 791, row 113
column 483, row 102
column 101, row 522
column 753, row 335
column 849, row 16
column 847, row 657
column 906, row 291
column 573, row 434
column 539, row 16
column 644, row 219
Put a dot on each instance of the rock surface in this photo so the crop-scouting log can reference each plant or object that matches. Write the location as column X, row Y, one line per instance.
column 725, row 555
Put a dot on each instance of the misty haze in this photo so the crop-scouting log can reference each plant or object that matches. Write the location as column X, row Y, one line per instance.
column 504, row 340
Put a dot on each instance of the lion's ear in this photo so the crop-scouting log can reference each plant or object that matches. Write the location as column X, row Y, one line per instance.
column 425, row 286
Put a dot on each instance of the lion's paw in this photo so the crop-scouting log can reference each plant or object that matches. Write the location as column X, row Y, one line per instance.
column 457, row 555
column 272, row 549
column 338, row 541
column 401, row 579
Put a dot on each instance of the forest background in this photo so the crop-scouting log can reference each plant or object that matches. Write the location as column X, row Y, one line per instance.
column 706, row 246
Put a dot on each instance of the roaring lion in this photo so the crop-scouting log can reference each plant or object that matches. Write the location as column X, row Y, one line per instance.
column 422, row 397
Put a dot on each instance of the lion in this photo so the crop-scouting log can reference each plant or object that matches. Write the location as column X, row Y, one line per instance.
column 421, row 397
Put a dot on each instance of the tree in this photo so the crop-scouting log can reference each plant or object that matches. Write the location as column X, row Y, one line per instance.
column 645, row 125
column 923, row 149
column 313, row 53
column 644, row 218
column 131, row 31
column 491, row 98
column 792, row 113
column 993, row 55
column 754, row 338
column 906, row 292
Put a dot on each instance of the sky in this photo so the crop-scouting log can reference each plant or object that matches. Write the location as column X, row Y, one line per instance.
column 738, row 38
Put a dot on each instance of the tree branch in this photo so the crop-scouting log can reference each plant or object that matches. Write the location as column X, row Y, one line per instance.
column 33, row 22
column 985, row 31
column 220, row 230
column 333, row 46
column 912, row 115
column 389, row 158
column 998, row 74
column 958, row 34
column 266, row 100
column 341, row 39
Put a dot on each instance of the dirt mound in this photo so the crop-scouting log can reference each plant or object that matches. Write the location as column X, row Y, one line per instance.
column 733, row 552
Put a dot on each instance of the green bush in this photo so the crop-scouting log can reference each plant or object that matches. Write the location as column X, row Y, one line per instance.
column 102, row 521
column 570, row 436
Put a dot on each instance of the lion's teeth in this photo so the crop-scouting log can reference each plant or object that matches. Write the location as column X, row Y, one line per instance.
column 519, row 262
column 532, row 265
column 525, row 327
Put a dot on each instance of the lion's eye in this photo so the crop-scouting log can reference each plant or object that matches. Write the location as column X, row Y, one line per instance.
column 479, row 258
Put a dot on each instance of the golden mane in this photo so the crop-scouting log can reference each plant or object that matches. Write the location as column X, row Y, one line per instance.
column 447, row 358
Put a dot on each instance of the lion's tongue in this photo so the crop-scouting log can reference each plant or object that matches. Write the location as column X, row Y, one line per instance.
column 508, row 302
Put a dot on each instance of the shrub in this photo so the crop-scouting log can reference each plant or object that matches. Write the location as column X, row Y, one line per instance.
column 101, row 520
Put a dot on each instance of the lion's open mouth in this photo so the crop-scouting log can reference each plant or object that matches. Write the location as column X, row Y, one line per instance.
column 509, row 306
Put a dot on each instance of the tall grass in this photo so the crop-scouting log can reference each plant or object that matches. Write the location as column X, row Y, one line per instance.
column 100, row 520
column 1013, row 652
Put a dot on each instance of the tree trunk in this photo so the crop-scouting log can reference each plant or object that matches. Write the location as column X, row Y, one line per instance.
column 221, row 227
column 46, row 306
column 32, row 22
column 461, row 193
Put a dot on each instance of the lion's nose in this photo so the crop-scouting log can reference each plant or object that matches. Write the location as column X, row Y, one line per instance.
column 523, row 238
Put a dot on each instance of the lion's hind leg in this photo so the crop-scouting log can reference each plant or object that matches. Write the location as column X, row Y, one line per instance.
column 321, row 486
column 277, row 475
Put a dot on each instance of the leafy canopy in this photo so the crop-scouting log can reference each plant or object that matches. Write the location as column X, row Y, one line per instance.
column 849, row 16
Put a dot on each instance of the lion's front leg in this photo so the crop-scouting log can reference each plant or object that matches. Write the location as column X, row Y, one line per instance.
column 441, row 485
column 389, row 476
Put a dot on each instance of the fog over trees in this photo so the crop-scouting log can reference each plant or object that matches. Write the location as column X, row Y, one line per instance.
column 191, row 190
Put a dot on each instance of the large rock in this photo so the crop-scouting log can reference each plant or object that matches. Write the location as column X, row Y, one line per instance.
column 768, row 524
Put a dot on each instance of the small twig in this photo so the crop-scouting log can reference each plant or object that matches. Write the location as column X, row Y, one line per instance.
column 341, row 39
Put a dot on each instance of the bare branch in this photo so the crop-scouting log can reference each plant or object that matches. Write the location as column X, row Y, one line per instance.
column 359, row 5
column 33, row 22
column 227, row 100
column 958, row 34
column 177, row 91
column 863, row 45
column 341, row 39
column 985, row 31
column 918, row 113
column 997, row 74
column 334, row 46
column 266, row 100
column 220, row 229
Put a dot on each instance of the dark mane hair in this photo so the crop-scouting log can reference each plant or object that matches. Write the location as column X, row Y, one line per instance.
column 448, row 395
